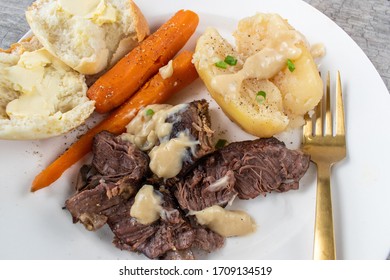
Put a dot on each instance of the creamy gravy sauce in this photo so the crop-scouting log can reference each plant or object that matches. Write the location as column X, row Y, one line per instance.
column 166, row 159
column 167, row 70
column 149, row 131
column 225, row 222
column 279, row 45
column 145, row 130
column 147, row 205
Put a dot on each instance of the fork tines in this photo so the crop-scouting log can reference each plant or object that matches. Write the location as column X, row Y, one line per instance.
column 322, row 116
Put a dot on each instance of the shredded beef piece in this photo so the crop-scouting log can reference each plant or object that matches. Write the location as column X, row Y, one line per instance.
column 99, row 187
column 106, row 188
column 115, row 158
column 246, row 169
column 194, row 120
column 179, row 255
column 156, row 240
column 88, row 206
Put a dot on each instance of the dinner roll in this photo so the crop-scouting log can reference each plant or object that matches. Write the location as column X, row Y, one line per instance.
column 88, row 35
column 40, row 96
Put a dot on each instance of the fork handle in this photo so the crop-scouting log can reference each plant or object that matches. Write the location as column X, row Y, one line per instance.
column 324, row 243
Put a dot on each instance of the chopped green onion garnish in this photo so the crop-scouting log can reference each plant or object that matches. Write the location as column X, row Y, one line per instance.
column 221, row 143
column 290, row 65
column 260, row 96
column 149, row 112
column 221, row 64
column 231, row 60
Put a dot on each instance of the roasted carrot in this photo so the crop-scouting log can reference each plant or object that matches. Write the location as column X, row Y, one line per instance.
column 156, row 90
column 133, row 70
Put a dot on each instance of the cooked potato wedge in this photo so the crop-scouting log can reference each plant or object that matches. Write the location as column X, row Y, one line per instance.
column 261, row 119
column 302, row 88
column 288, row 94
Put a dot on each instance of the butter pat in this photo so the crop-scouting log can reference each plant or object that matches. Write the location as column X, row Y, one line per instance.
column 23, row 79
column 105, row 13
column 35, row 59
column 98, row 11
column 79, row 8
column 38, row 89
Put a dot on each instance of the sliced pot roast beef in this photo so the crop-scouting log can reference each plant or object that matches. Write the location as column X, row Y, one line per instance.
column 115, row 158
column 105, row 193
column 195, row 121
column 171, row 233
column 116, row 173
column 106, row 188
column 245, row 169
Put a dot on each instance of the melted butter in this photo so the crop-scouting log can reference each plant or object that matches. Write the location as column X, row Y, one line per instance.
column 105, row 13
column 35, row 59
column 147, row 205
column 98, row 11
column 166, row 160
column 279, row 44
column 79, row 8
column 225, row 222
column 37, row 86
column 24, row 79
column 145, row 131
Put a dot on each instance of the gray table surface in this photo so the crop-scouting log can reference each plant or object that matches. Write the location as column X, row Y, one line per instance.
column 367, row 22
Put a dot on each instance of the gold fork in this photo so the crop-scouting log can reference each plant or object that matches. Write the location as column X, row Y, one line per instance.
column 326, row 146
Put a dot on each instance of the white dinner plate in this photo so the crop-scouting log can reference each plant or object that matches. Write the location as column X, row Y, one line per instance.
column 34, row 225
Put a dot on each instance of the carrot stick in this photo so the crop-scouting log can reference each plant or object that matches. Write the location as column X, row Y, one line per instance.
column 156, row 90
column 133, row 70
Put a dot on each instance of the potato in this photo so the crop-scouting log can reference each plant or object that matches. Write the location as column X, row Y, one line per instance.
column 261, row 119
column 302, row 88
column 236, row 88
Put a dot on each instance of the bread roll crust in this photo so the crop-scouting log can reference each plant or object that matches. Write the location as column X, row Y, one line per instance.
column 140, row 23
